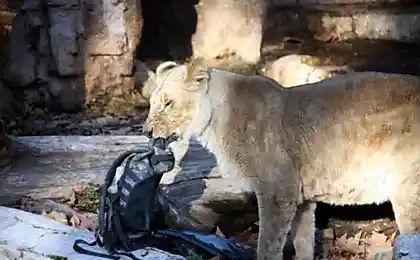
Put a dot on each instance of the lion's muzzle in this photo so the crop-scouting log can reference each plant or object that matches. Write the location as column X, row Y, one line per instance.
column 156, row 130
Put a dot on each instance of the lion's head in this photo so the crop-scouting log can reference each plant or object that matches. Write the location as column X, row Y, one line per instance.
column 179, row 105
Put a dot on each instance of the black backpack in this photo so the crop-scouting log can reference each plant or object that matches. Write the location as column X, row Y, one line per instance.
column 130, row 206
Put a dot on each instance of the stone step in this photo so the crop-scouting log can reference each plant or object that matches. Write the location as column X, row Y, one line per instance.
column 338, row 23
column 358, row 55
column 308, row 3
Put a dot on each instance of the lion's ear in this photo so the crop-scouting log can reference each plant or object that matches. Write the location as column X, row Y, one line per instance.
column 197, row 71
column 162, row 69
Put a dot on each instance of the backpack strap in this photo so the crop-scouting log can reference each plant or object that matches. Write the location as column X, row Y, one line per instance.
column 123, row 238
column 115, row 221
column 81, row 250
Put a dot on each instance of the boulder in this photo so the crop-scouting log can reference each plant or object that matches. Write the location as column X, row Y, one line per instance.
column 293, row 70
column 177, row 30
column 229, row 28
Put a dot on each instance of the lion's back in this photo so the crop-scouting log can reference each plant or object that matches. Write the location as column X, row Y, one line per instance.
column 359, row 131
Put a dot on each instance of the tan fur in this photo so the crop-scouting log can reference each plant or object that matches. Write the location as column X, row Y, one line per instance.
column 350, row 139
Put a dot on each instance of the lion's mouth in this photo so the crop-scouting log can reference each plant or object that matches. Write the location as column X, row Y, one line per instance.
column 166, row 140
column 162, row 143
column 154, row 135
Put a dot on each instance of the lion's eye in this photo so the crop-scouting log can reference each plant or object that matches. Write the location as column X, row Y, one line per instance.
column 167, row 105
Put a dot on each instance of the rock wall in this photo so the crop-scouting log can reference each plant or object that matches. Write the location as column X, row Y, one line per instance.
column 69, row 53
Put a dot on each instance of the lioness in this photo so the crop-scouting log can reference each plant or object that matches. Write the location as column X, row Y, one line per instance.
column 350, row 139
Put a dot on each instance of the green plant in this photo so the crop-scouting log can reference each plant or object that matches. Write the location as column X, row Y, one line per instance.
column 192, row 255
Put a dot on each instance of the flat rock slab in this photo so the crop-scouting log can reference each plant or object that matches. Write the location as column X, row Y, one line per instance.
column 28, row 236
column 49, row 166
column 11, row 253
column 201, row 196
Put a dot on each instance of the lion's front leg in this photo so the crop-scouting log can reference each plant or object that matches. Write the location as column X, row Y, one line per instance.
column 276, row 213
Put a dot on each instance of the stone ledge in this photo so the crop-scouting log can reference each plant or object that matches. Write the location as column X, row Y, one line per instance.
column 366, row 3
column 335, row 23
